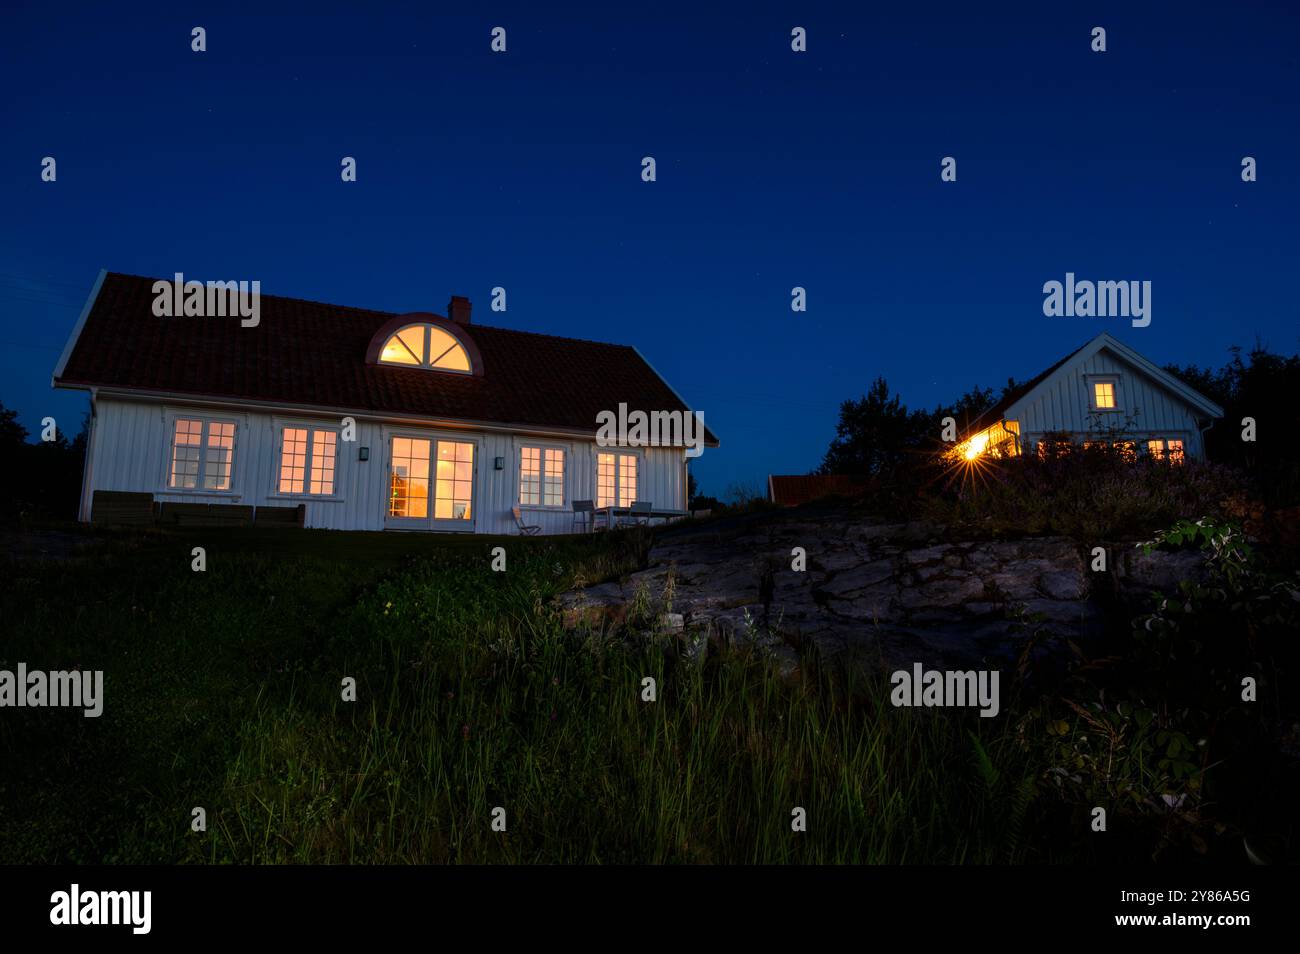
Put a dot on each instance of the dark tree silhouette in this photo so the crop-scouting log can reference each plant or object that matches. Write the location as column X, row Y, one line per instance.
column 1262, row 386
column 877, row 435
column 41, row 480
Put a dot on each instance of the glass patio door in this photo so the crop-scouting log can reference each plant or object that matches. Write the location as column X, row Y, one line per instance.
column 408, row 483
column 418, row 465
column 453, row 500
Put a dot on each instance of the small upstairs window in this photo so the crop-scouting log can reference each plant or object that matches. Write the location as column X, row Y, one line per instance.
column 1103, row 393
column 425, row 346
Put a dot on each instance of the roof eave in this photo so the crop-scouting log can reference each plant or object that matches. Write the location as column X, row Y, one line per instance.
column 1180, row 388
column 159, row 396
column 708, row 442
column 75, row 336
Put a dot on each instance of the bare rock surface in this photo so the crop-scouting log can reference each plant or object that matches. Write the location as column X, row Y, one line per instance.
column 1159, row 571
column 893, row 589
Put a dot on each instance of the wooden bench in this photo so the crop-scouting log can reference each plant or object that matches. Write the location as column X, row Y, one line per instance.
column 183, row 514
column 119, row 507
column 280, row 516
column 230, row 515
column 116, row 507
column 217, row 515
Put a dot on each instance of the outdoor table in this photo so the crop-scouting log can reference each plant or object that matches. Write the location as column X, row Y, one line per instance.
column 612, row 514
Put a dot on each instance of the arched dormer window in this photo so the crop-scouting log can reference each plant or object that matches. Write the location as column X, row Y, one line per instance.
column 425, row 346
column 425, row 341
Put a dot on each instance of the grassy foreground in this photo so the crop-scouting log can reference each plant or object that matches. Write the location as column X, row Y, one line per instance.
column 223, row 691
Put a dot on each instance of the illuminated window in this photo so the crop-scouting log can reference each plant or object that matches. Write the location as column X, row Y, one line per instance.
column 1054, row 447
column 530, row 475
column 553, row 479
column 408, row 490
column 307, row 457
column 202, row 454
column 1124, row 450
column 293, row 460
column 454, row 487
column 1103, row 394
column 541, row 476
column 616, row 480
column 426, row 346
column 323, row 449
column 1170, row 450
column 405, row 347
column 187, row 453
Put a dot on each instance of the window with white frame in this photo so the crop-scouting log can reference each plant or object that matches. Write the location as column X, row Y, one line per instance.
column 426, row 346
column 307, row 461
column 1104, row 393
column 616, row 480
column 203, row 454
column 541, row 476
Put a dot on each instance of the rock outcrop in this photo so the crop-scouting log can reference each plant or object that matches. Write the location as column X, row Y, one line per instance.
column 889, row 588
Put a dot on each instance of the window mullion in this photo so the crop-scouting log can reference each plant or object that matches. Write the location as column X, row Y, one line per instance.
column 202, row 482
column 306, row 473
column 407, row 349
column 434, row 363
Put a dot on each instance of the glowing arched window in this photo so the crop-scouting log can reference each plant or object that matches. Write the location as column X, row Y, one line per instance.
column 425, row 346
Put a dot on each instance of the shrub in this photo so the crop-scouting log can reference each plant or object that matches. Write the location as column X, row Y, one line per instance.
column 1166, row 731
column 1089, row 494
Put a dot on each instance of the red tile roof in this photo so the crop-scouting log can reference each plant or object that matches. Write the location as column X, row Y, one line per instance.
column 790, row 491
column 309, row 354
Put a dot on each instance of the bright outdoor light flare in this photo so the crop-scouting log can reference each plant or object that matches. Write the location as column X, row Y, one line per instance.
column 976, row 446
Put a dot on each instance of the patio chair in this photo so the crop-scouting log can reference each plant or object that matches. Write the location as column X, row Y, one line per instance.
column 525, row 529
column 640, row 515
column 583, row 514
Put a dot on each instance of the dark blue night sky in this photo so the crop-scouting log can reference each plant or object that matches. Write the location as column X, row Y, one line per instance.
column 775, row 169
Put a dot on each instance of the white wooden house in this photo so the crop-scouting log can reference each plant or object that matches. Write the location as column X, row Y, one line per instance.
column 370, row 420
column 1103, row 392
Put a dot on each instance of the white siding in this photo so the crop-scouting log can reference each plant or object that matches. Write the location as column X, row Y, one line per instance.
column 1063, row 402
column 132, row 443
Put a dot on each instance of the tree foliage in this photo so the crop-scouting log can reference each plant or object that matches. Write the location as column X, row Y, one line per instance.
column 877, row 436
column 39, row 480
column 1261, row 386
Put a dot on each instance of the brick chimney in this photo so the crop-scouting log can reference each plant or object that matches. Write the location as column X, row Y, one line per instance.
column 458, row 309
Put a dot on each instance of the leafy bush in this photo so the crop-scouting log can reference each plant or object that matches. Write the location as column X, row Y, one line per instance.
column 1090, row 494
column 1166, row 728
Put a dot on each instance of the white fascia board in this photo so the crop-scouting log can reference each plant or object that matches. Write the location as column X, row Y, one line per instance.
column 76, row 331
